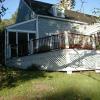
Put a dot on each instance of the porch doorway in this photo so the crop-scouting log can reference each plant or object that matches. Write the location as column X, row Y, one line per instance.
column 22, row 44
column 25, row 44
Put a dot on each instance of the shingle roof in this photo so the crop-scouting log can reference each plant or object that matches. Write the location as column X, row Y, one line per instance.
column 80, row 16
column 40, row 8
column 43, row 8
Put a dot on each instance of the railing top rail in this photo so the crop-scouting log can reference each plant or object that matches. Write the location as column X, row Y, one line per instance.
column 79, row 34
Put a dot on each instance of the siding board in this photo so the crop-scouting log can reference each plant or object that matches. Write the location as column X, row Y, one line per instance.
column 49, row 26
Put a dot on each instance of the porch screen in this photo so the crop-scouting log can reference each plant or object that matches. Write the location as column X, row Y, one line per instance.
column 12, row 44
column 22, row 44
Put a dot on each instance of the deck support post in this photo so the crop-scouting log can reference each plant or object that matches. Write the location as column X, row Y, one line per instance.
column 69, row 72
column 97, row 68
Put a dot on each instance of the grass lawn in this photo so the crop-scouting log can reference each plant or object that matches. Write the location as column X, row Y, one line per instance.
column 16, row 84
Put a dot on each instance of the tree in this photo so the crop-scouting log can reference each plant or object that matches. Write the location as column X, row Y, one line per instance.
column 13, row 17
column 2, row 9
column 72, row 3
column 7, row 22
column 67, row 4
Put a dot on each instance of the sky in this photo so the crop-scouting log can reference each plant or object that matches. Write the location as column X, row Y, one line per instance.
column 88, row 7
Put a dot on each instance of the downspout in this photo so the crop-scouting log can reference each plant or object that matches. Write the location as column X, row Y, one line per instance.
column 37, row 27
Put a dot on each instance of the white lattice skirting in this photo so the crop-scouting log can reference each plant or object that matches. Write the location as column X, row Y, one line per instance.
column 60, row 60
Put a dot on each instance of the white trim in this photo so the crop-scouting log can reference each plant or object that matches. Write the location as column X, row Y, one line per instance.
column 28, row 42
column 62, row 19
column 20, row 23
column 37, row 28
column 17, row 43
column 23, row 31
column 37, row 32
column 28, row 37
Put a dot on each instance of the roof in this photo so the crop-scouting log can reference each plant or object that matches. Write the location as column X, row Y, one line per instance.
column 43, row 8
column 80, row 16
column 40, row 8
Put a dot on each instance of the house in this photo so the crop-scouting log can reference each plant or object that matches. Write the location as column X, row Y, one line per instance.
column 53, row 38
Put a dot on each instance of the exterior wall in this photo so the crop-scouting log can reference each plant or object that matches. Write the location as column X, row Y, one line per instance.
column 24, row 12
column 31, row 26
column 61, row 60
column 50, row 26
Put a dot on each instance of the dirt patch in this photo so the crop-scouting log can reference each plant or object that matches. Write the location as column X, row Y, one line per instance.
column 41, row 87
column 1, row 98
column 15, row 98
column 40, row 90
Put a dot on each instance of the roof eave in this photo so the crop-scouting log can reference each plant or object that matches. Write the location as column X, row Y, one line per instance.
column 63, row 19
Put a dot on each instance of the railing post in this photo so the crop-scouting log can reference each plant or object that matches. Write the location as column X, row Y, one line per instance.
column 93, row 42
column 66, row 39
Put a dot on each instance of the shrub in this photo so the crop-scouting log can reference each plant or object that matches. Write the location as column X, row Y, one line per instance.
column 98, row 47
column 88, row 47
column 75, row 46
column 34, row 67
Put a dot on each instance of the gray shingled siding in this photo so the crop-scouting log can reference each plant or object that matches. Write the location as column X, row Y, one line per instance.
column 49, row 26
column 24, row 13
column 31, row 26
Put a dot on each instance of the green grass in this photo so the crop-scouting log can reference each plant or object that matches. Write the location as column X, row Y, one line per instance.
column 16, row 84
